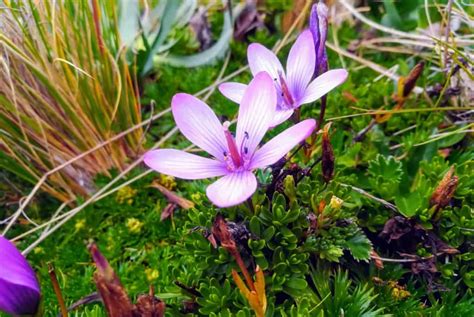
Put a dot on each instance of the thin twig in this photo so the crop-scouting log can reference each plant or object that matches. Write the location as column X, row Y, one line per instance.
column 57, row 290
column 67, row 163
column 360, row 136
column 401, row 260
column 376, row 67
column 366, row 194
column 92, row 199
column 371, row 112
column 448, row 29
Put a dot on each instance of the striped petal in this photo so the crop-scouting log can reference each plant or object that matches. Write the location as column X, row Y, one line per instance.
column 324, row 84
column 300, row 64
column 199, row 124
column 183, row 165
column 280, row 145
column 261, row 59
column 232, row 189
column 233, row 91
column 256, row 112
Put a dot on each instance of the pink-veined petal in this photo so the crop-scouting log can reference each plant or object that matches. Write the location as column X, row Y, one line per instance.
column 256, row 111
column 233, row 91
column 324, row 84
column 280, row 145
column 199, row 124
column 232, row 189
column 261, row 59
column 183, row 165
column 280, row 117
column 300, row 64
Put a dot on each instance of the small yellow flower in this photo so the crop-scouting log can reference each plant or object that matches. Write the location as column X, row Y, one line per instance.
column 38, row 250
column 398, row 292
column 196, row 197
column 134, row 225
column 125, row 195
column 80, row 224
column 151, row 274
column 167, row 181
column 336, row 202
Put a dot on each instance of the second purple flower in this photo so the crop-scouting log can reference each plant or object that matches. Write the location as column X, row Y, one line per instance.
column 294, row 87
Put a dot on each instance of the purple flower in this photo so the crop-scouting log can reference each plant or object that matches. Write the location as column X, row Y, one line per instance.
column 19, row 288
column 294, row 88
column 318, row 25
column 233, row 158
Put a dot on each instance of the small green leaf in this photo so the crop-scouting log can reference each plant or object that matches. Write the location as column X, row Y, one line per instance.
column 409, row 205
column 359, row 246
column 296, row 283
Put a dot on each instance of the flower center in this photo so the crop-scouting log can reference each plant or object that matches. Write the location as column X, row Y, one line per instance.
column 232, row 146
column 237, row 156
column 285, row 92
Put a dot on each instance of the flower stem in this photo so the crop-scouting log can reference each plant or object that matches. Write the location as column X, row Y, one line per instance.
column 319, row 124
column 250, row 205
column 296, row 115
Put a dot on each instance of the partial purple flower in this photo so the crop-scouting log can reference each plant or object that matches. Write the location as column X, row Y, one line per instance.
column 318, row 25
column 293, row 87
column 232, row 158
column 19, row 288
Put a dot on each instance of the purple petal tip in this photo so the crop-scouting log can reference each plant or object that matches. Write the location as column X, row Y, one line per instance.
column 19, row 288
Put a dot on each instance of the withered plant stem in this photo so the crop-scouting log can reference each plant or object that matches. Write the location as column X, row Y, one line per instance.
column 308, row 171
column 360, row 136
column 244, row 270
column 447, row 30
column 319, row 123
column 98, row 32
column 57, row 290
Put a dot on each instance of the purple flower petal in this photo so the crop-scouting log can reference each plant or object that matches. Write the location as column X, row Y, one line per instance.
column 199, row 124
column 280, row 145
column 318, row 24
column 19, row 288
column 233, row 91
column 280, row 117
column 300, row 64
column 324, row 84
column 256, row 111
column 261, row 59
column 232, row 189
column 183, row 165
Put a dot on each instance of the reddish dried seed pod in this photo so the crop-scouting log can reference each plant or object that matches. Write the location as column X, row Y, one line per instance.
column 327, row 159
column 445, row 190
column 113, row 294
column 410, row 80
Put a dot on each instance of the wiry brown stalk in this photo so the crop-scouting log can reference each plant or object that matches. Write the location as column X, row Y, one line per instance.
column 57, row 290
column 222, row 234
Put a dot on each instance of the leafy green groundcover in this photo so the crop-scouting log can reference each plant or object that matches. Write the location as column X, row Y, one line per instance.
column 313, row 241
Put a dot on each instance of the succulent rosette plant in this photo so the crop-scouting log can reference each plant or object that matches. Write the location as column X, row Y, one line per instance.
column 294, row 87
column 233, row 158
column 19, row 289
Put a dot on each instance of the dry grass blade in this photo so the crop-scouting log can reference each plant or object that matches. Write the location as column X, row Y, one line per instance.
column 62, row 93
